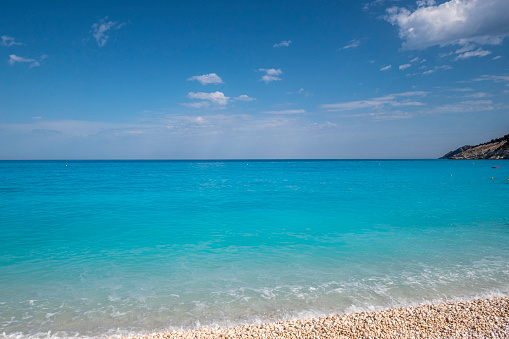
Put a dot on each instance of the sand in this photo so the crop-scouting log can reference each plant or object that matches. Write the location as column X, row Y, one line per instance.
column 487, row 318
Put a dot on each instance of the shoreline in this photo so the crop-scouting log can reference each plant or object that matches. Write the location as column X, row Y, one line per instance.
column 479, row 318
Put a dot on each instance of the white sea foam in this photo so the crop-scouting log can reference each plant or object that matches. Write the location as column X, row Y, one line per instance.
column 239, row 320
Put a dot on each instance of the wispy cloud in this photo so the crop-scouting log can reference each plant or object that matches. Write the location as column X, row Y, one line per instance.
column 287, row 111
column 211, row 78
column 370, row 4
column 417, row 60
column 386, row 68
column 284, row 43
column 463, row 107
column 100, row 30
column 305, row 93
column 352, row 44
column 178, row 136
column 388, row 100
column 14, row 59
column 494, row 78
column 8, row 41
column 431, row 70
column 478, row 53
column 272, row 74
column 479, row 95
column 69, row 128
column 452, row 22
column 217, row 98
column 244, row 97
column 405, row 66
column 461, row 89
column 200, row 104
column 467, row 51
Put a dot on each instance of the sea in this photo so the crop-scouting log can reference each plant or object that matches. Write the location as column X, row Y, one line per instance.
column 96, row 249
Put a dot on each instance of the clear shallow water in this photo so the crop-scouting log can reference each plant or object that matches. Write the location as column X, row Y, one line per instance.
column 108, row 248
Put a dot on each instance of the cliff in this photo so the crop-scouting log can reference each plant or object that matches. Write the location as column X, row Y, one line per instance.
column 495, row 149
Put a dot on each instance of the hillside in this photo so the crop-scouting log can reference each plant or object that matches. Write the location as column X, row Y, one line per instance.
column 495, row 149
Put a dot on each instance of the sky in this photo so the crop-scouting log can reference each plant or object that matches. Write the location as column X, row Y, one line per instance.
column 343, row 79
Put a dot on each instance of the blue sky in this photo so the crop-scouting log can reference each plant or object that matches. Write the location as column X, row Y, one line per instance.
column 251, row 79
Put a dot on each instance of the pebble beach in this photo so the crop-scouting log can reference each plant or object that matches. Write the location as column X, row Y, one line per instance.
column 482, row 318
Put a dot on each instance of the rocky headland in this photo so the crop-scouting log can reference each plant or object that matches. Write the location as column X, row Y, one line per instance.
column 494, row 149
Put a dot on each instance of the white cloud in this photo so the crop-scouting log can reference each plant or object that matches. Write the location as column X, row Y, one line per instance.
column 405, row 66
column 211, row 78
column 497, row 57
column 465, row 107
column 417, row 59
column 200, row 104
column 8, row 41
column 285, row 43
column 479, row 95
column 386, row 68
column 14, row 59
column 465, row 48
column 327, row 124
column 479, row 53
column 217, row 98
column 352, row 44
column 388, row 100
column 244, row 97
column 272, row 74
column 424, row 3
column 287, row 111
column 382, row 115
column 375, row 3
column 100, row 30
column 433, row 70
column 192, row 136
column 452, row 22
column 494, row 78
column 463, row 89
column 305, row 93
column 70, row 128
column 443, row 67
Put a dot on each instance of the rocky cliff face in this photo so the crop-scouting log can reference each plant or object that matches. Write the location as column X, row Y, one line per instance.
column 495, row 149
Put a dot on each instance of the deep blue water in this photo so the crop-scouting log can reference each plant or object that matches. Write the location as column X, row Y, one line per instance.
column 98, row 248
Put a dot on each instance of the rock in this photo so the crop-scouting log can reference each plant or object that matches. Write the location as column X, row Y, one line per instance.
column 450, row 154
column 495, row 149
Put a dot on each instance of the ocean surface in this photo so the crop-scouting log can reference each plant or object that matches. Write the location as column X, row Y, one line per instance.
column 109, row 248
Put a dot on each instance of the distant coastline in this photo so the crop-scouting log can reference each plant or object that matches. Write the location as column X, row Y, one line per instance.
column 494, row 149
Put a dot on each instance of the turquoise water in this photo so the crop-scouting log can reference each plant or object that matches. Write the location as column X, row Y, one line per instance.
column 104, row 248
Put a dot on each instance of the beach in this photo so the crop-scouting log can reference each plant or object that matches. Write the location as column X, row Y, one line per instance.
column 481, row 318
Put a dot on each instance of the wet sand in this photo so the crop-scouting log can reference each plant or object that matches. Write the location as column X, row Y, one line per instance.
column 487, row 318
